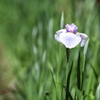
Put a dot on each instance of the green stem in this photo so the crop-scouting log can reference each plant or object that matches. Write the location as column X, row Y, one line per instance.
column 67, row 54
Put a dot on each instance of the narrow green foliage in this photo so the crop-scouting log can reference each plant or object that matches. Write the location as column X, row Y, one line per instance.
column 86, row 47
column 79, row 73
column 62, row 21
column 68, row 95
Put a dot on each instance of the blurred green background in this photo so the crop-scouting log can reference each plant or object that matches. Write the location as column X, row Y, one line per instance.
column 28, row 49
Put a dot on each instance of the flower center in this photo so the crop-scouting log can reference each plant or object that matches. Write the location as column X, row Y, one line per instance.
column 71, row 32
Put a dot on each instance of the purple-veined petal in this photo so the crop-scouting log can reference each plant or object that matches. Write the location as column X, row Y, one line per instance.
column 68, row 28
column 70, row 40
column 71, row 28
column 83, row 38
column 75, row 29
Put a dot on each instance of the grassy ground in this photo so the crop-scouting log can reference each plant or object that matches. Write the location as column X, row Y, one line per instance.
column 32, row 64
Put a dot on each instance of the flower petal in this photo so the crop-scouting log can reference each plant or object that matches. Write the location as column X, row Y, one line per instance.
column 61, row 31
column 83, row 38
column 58, row 33
column 70, row 40
column 68, row 28
column 71, row 28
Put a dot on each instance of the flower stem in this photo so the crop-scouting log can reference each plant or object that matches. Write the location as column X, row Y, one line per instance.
column 67, row 54
column 78, row 73
column 68, row 95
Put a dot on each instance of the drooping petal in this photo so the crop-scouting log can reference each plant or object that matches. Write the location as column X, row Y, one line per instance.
column 83, row 38
column 70, row 40
column 61, row 31
column 58, row 33
column 71, row 28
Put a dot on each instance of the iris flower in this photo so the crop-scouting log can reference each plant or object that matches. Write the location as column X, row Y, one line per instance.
column 70, row 37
